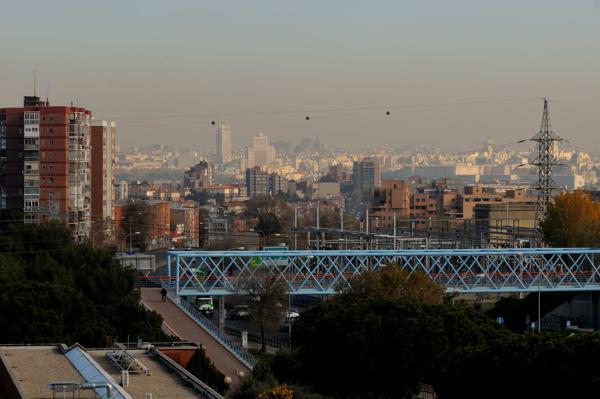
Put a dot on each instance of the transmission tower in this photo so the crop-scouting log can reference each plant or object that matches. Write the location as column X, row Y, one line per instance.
column 545, row 161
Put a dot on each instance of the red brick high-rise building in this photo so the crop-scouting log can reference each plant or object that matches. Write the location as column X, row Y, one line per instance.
column 45, row 156
column 103, row 181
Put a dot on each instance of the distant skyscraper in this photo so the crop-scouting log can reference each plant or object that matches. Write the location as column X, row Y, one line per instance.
column 366, row 176
column 103, row 180
column 223, row 143
column 261, row 153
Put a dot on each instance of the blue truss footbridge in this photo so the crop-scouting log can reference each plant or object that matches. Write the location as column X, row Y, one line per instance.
column 222, row 273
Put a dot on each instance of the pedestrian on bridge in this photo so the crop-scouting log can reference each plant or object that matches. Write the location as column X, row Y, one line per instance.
column 163, row 293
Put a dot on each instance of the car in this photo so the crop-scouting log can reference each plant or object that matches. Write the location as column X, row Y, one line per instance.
column 205, row 306
column 290, row 318
column 239, row 312
column 291, row 314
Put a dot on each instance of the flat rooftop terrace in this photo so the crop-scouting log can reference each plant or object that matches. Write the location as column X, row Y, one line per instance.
column 26, row 371
column 162, row 381
column 35, row 367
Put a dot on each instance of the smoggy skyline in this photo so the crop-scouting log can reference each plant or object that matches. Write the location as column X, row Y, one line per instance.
column 450, row 73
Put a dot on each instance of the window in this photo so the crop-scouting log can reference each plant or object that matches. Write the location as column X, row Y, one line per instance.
column 31, row 204
column 50, row 155
column 51, row 180
column 50, row 142
column 51, row 167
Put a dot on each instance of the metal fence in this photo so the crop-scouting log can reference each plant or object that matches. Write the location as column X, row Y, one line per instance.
column 326, row 272
column 240, row 353
column 275, row 343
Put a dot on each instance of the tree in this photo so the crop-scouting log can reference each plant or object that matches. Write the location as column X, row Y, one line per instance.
column 573, row 220
column 361, row 338
column 136, row 218
column 279, row 392
column 204, row 369
column 260, row 380
column 393, row 281
column 54, row 290
column 266, row 295
column 270, row 215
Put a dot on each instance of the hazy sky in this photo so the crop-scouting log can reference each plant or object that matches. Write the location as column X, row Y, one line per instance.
column 126, row 60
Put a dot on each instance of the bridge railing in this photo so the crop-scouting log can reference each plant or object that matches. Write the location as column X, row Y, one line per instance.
column 236, row 350
column 325, row 272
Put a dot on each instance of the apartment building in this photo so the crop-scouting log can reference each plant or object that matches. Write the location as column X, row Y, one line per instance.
column 475, row 195
column 392, row 198
column 262, row 183
column 200, row 175
column 46, row 156
column 366, row 176
column 103, row 181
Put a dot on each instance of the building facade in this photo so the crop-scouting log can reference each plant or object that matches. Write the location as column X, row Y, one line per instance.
column 392, row 200
column 123, row 191
column 262, row 183
column 186, row 220
column 223, row 155
column 257, row 182
column 200, row 175
column 261, row 154
column 366, row 176
column 103, row 180
column 47, row 159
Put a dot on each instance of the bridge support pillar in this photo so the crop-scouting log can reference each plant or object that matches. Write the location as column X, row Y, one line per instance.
column 221, row 313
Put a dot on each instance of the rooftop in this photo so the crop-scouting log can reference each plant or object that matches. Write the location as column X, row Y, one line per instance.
column 161, row 382
column 26, row 371
column 34, row 367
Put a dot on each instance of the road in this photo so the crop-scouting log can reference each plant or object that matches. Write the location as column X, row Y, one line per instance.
column 188, row 330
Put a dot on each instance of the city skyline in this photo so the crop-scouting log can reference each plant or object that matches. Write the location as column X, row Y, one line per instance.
column 445, row 72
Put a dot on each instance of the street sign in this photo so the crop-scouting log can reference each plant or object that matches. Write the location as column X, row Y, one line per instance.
column 276, row 260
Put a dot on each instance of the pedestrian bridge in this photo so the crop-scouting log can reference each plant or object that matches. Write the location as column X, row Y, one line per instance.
column 326, row 272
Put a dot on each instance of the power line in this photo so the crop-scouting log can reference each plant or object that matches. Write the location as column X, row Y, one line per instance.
column 385, row 110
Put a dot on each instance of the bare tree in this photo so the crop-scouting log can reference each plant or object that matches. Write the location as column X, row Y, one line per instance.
column 266, row 294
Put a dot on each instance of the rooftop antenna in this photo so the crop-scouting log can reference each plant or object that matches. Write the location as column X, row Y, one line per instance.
column 35, row 71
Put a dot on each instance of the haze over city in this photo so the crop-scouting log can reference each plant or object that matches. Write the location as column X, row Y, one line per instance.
column 299, row 200
column 163, row 71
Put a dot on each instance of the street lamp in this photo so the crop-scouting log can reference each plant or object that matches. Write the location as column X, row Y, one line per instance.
column 289, row 310
column 130, row 241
